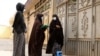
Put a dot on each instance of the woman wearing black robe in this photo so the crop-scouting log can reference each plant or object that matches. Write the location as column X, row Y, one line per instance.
column 37, row 37
column 55, row 34
column 19, row 28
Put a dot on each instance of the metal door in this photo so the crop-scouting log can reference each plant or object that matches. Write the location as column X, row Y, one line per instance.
column 62, row 17
column 83, row 25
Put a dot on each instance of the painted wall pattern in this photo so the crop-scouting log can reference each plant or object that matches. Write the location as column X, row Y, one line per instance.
column 72, row 20
column 85, row 18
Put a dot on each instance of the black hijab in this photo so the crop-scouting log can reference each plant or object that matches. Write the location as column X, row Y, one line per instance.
column 20, row 7
column 39, row 17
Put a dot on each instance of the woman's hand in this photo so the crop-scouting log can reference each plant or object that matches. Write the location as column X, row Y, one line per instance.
column 57, row 26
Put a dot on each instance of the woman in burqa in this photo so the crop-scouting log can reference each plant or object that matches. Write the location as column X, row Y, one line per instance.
column 55, row 34
column 19, row 28
column 37, row 37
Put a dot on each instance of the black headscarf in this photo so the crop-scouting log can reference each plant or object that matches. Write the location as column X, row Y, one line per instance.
column 55, row 22
column 57, row 19
column 20, row 7
column 39, row 17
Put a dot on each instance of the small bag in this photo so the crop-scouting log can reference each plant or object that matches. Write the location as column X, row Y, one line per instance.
column 59, row 53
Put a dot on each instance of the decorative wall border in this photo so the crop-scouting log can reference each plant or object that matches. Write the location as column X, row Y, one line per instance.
column 84, row 26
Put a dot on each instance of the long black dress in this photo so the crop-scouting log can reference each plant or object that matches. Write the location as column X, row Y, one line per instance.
column 37, row 37
column 55, row 34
